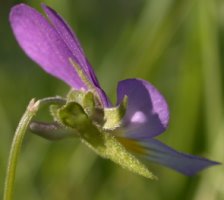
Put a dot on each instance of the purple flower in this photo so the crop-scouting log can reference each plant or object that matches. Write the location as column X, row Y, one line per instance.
column 54, row 46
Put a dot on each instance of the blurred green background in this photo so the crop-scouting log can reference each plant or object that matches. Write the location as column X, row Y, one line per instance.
column 178, row 45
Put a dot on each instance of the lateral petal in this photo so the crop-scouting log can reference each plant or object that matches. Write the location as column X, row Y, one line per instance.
column 147, row 113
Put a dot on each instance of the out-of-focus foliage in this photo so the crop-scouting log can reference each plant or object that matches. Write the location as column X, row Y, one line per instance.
column 176, row 45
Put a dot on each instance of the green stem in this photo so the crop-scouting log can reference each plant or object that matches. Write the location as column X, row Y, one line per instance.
column 30, row 112
column 16, row 146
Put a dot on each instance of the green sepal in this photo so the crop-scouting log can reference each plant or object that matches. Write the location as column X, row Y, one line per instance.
column 88, row 101
column 113, row 116
column 73, row 116
column 89, row 104
column 78, row 114
column 112, row 149
column 75, row 95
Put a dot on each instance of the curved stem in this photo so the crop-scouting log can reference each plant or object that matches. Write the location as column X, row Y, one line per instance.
column 30, row 112
column 15, row 147
column 52, row 100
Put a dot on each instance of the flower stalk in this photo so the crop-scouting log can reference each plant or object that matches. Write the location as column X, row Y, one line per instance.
column 16, row 146
column 23, row 125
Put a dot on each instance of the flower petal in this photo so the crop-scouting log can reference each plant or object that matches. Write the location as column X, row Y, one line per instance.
column 72, row 42
column 42, row 43
column 155, row 151
column 104, row 99
column 52, row 45
column 147, row 113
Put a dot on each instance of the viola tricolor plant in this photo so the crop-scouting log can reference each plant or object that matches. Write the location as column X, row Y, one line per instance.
column 124, row 133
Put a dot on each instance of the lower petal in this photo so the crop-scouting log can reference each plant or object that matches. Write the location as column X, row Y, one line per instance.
column 155, row 151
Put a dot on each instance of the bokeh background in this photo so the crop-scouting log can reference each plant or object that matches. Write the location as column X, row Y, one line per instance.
column 178, row 45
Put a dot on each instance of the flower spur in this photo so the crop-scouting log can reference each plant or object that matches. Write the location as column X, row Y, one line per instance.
column 123, row 133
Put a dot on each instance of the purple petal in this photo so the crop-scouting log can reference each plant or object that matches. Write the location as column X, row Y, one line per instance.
column 72, row 42
column 52, row 45
column 43, row 44
column 103, row 97
column 147, row 113
column 155, row 151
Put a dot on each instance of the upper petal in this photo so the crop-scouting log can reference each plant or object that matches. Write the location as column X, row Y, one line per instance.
column 147, row 113
column 72, row 42
column 43, row 44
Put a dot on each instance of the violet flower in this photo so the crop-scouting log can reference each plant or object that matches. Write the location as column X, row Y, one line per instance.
column 123, row 133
